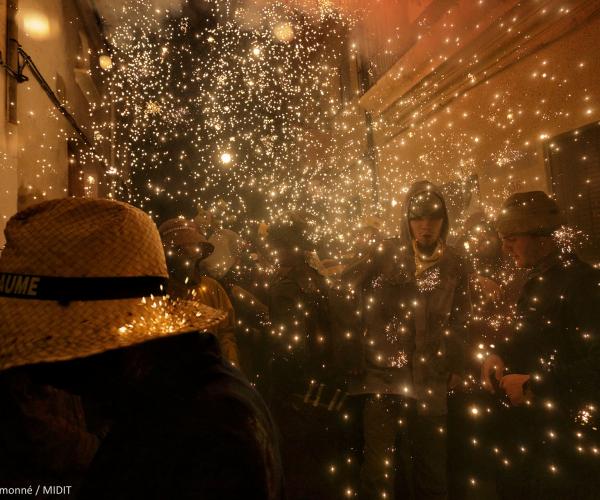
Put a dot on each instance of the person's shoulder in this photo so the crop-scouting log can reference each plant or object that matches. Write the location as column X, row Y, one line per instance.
column 231, row 399
column 307, row 278
column 582, row 266
column 577, row 274
column 208, row 288
column 452, row 252
column 211, row 283
column 394, row 249
column 456, row 259
column 284, row 280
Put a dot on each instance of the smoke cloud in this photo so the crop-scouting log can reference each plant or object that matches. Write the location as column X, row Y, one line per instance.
column 248, row 12
column 111, row 10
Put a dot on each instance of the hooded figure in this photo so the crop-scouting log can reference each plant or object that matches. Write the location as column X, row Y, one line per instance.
column 442, row 310
column 413, row 299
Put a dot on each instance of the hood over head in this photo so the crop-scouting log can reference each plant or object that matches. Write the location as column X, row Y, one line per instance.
column 429, row 194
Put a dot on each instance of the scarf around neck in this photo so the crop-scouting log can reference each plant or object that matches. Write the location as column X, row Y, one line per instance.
column 423, row 261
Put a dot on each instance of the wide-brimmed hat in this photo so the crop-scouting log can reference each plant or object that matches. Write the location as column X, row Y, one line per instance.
column 181, row 232
column 531, row 212
column 79, row 277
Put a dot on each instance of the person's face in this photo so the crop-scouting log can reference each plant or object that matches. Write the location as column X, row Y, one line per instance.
column 525, row 249
column 185, row 252
column 426, row 230
column 181, row 259
column 100, row 375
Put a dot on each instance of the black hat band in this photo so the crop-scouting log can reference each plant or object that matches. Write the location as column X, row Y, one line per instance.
column 28, row 286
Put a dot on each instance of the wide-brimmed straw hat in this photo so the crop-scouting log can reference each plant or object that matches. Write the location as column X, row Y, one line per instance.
column 181, row 232
column 80, row 277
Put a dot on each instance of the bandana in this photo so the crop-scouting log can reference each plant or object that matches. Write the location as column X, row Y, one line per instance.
column 423, row 261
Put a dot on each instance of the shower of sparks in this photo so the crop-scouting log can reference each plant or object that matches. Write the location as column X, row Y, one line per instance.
column 398, row 361
column 429, row 280
column 569, row 239
column 241, row 111
column 236, row 108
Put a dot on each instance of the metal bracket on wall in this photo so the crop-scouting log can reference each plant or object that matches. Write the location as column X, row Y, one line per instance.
column 21, row 65
column 24, row 61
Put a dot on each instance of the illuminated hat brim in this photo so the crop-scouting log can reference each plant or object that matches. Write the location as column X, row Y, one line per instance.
column 79, row 277
column 36, row 331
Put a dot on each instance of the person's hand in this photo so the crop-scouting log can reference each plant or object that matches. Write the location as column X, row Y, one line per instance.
column 513, row 386
column 492, row 364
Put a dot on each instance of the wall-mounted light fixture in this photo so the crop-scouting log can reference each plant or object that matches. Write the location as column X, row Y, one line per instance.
column 105, row 62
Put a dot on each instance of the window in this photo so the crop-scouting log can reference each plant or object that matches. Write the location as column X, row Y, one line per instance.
column 573, row 162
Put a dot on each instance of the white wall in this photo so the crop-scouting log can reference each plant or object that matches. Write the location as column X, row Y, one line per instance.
column 34, row 152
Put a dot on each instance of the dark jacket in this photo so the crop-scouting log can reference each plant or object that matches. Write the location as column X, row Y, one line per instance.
column 557, row 336
column 192, row 427
column 43, row 433
column 413, row 330
column 299, row 317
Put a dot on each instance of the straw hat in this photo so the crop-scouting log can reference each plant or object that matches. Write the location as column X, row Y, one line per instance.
column 181, row 232
column 80, row 277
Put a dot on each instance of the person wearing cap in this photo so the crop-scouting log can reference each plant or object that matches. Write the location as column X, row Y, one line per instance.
column 83, row 311
column 297, row 298
column 549, row 367
column 494, row 285
column 185, row 250
column 415, row 308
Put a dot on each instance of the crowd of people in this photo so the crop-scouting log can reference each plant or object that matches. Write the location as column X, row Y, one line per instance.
column 184, row 361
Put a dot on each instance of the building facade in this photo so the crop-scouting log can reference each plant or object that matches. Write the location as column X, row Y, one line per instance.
column 52, row 84
column 499, row 95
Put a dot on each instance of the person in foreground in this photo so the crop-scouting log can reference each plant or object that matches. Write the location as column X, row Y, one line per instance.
column 549, row 367
column 82, row 307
